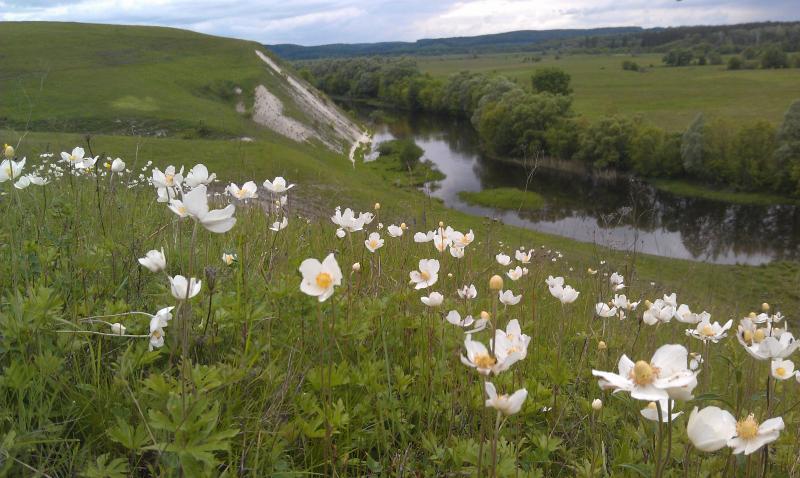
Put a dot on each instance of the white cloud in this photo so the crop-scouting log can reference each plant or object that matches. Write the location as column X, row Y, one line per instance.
column 331, row 21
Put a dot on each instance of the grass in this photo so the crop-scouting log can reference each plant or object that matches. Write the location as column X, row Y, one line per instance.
column 504, row 198
column 129, row 80
column 690, row 189
column 255, row 374
column 664, row 96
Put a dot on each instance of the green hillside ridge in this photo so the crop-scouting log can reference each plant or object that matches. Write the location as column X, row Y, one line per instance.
column 132, row 80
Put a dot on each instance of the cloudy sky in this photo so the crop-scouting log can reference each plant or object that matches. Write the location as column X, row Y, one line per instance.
column 312, row 22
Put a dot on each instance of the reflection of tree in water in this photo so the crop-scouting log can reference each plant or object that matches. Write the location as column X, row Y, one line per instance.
column 708, row 229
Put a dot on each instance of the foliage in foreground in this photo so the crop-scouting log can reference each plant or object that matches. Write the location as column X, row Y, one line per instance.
column 253, row 377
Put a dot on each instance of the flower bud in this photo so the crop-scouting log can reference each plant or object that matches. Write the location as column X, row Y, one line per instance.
column 597, row 404
column 496, row 282
column 751, row 315
column 8, row 151
column 356, row 267
column 764, row 307
column 441, row 224
column 485, row 315
column 403, row 226
column 601, row 345
column 449, row 275
column 377, row 206
column 211, row 277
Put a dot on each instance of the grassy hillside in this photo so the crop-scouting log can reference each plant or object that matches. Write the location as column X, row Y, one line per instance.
column 665, row 96
column 128, row 80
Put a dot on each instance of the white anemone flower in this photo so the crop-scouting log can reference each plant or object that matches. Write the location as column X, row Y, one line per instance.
column 156, row 333
column 455, row 318
column 217, row 220
column 782, row 369
column 427, row 275
column 710, row 429
column 523, row 257
column 457, row 252
column 118, row 329
column 685, row 315
column 650, row 412
column 434, row 299
column 665, row 376
column 617, row 281
column 154, row 260
column 117, row 166
column 277, row 186
column 603, row 310
column 503, row 259
column 199, row 175
column 37, row 180
column 347, row 220
column 659, row 311
column 511, row 341
column 515, row 274
column 278, row 226
column 394, row 231
column 770, row 347
column 568, row 295
column 508, row 298
column 751, row 436
column 10, row 169
column 706, row 331
column 247, row 191
column 507, row 405
column 22, row 183
column 468, row 292
column 340, row 233
column 478, row 357
column 621, row 302
column 366, row 217
column 320, row 278
column 424, row 236
column 75, row 157
column 183, row 289
column 374, row 242
column 462, row 240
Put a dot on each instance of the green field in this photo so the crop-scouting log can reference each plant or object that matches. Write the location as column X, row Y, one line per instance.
column 664, row 96
column 255, row 377
column 504, row 198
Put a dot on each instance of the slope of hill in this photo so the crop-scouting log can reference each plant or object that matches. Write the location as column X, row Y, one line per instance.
column 508, row 41
column 152, row 81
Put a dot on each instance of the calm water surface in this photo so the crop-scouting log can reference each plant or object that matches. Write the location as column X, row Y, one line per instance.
column 623, row 214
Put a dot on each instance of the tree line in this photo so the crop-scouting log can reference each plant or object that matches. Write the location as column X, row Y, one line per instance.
column 517, row 122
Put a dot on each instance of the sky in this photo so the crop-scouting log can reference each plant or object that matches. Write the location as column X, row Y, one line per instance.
column 314, row 22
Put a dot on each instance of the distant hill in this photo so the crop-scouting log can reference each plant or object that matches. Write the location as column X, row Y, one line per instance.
column 723, row 38
column 509, row 41
column 154, row 81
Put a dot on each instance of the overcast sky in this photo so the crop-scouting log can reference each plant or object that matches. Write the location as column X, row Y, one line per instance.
column 312, row 22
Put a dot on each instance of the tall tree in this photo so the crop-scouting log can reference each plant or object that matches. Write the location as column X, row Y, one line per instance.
column 551, row 80
column 692, row 146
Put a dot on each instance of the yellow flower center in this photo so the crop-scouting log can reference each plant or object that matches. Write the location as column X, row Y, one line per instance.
column 373, row 243
column 652, row 406
column 747, row 336
column 747, row 428
column 758, row 337
column 182, row 209
column 156, row 334
column 170, row 179
column 780, row 371
column 426, row 276
column 240, row 193
column 484, row 361
column 643, row 373
column 708, row 330
column 324, row 280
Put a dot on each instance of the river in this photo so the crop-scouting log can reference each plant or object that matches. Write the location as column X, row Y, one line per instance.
column 622, row 213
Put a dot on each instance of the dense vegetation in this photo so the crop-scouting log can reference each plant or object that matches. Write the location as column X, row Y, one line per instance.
column 516, row 122
column 701, row 42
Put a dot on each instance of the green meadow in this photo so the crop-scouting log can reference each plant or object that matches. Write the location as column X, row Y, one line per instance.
column 668, row 97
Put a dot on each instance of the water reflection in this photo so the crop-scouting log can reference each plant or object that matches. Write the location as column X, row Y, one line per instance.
column 624, row 214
